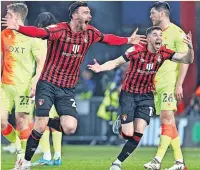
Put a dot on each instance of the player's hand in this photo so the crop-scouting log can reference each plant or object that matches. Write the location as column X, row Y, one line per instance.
column 188, row 40
column 179, row 92
column 95, row 67
column 10, row 23
column 137, row 39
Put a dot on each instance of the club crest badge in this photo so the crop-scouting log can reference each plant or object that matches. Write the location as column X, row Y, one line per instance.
column 159, row 58
column 40, row 101
column 124, row 117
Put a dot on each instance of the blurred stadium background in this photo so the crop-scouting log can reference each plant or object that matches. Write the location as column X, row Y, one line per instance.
column 95, row 117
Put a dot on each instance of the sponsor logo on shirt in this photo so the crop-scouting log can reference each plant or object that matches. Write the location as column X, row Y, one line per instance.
column 19, row 50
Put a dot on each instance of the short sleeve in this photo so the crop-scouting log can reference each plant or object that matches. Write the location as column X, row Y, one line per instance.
column 167, row 53
column 55, row 31
column 132, row 52
column 181, row 47
column 98, row 36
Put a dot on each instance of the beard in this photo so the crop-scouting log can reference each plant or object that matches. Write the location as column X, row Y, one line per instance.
column 156, row 23
column 82, row 26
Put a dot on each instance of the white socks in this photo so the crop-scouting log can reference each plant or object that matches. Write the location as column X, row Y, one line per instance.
column 26, row 163
column 117, row 162
column 159, row 159
column 57, row 155
column 47, row 156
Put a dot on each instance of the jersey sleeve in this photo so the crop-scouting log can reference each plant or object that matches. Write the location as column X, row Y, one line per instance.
column 167, row 53
column 98, row 35
column 181, row 47
column 112, row 39
column 132, row 52
column 55, row 31
column 109, row 39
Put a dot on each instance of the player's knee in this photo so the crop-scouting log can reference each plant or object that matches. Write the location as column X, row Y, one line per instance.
column 127, row 131
column 69, row 129
column 126, row 134
column 4, row 123
column 41, row 124
column 4, row 120
column 167, row 117
column 39, row 128
column 19, row 123
column 22, row 122
column 69, row 124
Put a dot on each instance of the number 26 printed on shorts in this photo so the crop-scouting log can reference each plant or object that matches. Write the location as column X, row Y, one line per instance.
column 167, row 97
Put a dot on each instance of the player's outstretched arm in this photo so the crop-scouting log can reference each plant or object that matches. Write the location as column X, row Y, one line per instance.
column 133, row 39
column 189, row 56
column 26, row 30
column 109, row 65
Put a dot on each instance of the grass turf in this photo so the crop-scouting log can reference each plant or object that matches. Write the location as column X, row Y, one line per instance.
column 101, row 157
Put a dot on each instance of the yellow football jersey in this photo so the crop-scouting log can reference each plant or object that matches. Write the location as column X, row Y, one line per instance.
column 168, row 72
column 19, row 52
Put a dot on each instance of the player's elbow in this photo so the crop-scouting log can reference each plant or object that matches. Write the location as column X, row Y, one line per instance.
column 186, row 62
column 192, row 59
column 189, row 61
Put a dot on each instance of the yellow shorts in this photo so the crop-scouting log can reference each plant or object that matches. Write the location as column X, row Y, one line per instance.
column 3, row 102
column 165, row 99
column 53, row 113
column 17, row 96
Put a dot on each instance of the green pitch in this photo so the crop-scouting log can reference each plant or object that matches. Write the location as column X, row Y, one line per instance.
column 100, row 158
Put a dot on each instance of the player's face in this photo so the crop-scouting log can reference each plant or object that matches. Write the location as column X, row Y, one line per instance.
column 84, row 17
column 155, row 17
column 11, row 15
column 155, row 39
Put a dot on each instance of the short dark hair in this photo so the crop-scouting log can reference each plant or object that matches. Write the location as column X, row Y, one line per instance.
column 162, row 5
column 19, row 8
column 45, row 19
column 74, row 6
column 150, row 29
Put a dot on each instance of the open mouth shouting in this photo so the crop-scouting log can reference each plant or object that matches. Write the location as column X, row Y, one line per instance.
column 158, row 44
column 87, row 22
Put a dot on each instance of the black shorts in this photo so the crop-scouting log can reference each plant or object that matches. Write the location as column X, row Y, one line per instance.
column 134, row 105
column 48, row 94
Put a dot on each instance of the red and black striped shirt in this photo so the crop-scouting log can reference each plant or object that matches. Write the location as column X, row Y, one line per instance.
column 143, row 68
column 66, row 51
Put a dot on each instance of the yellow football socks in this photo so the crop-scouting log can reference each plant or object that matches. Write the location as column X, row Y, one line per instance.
column 57, row 140
column 176, row 145
column 165, row 139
